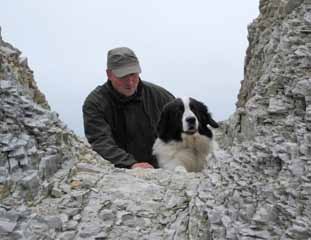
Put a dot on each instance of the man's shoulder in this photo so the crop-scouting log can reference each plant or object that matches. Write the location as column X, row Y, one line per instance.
column 156, row 88
column 96, row 95
column 152, row 85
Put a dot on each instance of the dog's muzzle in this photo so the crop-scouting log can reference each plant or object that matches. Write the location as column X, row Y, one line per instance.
column 191, row 125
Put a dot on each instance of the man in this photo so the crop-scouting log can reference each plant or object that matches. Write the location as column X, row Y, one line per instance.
column 120, row 116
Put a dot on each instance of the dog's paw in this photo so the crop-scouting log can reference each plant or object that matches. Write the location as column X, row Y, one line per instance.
column 180, row 169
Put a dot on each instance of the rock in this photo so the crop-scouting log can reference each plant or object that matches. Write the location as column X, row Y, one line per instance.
column 8, row 222
column 292, row 4
column 49, row 165
column 55, row 222
column 31, row 184
column 277, row 106
column 68, row 235
column 256, row 186
column 56, row 192
column 7, row 227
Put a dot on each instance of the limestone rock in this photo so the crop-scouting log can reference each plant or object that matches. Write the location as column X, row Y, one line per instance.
column 257, row 185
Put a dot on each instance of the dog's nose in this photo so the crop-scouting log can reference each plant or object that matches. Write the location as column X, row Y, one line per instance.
column 190, row 120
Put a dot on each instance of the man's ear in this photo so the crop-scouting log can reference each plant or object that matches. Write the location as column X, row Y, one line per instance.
column 109, row 73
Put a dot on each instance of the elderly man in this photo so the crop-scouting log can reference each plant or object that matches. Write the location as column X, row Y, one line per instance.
column 120, row 116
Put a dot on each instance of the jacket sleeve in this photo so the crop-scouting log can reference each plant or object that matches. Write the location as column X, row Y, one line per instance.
column 99, row 135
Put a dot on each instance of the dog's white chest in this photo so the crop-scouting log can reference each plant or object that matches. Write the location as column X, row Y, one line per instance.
column 190, row 153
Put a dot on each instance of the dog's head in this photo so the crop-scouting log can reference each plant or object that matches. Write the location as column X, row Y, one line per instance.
column 186, row 116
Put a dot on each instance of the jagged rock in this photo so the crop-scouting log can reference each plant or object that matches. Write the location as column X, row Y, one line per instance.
column 257, row 186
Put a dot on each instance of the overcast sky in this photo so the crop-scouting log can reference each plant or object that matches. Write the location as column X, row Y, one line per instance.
column 192, row 48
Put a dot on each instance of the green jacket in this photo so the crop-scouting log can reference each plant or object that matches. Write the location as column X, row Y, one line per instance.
column 123, row 129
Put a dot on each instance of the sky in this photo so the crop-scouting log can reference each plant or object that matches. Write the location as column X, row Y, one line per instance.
column 192, row 48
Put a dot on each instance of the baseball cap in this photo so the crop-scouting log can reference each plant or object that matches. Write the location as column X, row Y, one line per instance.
column 122, row 61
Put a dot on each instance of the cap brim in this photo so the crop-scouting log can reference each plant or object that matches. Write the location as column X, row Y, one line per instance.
column 126, row 70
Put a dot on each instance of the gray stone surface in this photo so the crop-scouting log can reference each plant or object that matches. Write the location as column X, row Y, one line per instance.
column 257, row 186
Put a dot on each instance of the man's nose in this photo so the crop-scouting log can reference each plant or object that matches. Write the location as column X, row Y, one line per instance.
column 131, row 79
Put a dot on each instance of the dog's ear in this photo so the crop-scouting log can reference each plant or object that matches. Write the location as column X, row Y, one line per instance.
column 206, row 117
column 209, row 120
column 212, row 122
column 169, row 127
column 162, row 124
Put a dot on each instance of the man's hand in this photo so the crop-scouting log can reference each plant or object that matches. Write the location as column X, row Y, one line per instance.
column 141, row 165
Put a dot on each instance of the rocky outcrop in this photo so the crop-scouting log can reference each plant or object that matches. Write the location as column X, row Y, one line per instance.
column 270, row 133
column 37, row 151
column 257, row 186
column 13, row 64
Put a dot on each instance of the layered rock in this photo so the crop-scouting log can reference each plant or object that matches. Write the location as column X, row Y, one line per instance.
column 270, row 133
column 13, row 65
column 258, row 185
column 37, row 150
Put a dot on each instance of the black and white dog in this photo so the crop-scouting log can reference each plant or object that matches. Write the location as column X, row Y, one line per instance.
column 184, row 139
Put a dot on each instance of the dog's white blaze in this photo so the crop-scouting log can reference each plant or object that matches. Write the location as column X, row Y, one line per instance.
column 188, row 113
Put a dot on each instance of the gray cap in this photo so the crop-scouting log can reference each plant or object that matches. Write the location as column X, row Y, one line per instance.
column 122, row 61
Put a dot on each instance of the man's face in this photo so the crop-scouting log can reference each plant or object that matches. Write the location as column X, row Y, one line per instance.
column 126, row 85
